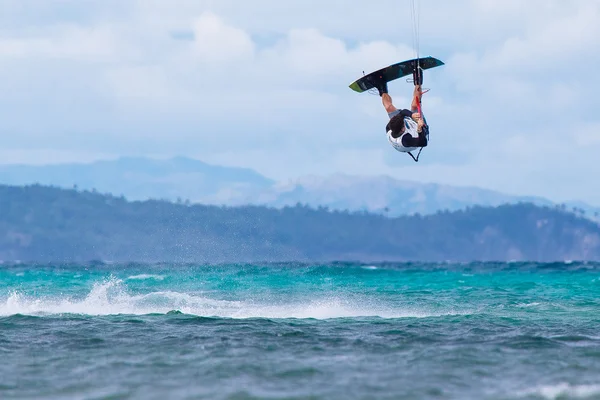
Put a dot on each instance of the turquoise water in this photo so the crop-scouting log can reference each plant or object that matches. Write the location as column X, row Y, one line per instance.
column 393, row 331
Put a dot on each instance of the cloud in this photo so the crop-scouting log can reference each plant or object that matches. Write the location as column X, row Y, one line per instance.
column 266, row 82
column 65, row 42
column 217, row 42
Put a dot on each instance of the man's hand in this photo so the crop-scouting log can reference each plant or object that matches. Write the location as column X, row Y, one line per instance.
column 420, row 125
column 416, row 117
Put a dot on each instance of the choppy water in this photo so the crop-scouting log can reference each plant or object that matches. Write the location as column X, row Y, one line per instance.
column 402, row 331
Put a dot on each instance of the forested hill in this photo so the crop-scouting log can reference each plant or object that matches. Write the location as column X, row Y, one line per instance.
column 48, row 224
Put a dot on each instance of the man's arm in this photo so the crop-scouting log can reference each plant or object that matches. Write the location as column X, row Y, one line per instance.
column 420, row 125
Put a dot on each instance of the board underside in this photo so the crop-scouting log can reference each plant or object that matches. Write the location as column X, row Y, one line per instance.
column 395, row 71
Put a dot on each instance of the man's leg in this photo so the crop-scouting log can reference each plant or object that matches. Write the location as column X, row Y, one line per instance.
column 386, row 99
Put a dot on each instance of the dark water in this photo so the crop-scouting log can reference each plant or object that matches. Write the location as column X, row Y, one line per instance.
column 405, row 331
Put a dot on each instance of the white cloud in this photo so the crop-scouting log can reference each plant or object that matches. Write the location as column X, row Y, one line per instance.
column 65, row 42
column 266, row 82
column 217, row 42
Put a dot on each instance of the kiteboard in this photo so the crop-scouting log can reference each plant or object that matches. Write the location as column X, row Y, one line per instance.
column 393, row 72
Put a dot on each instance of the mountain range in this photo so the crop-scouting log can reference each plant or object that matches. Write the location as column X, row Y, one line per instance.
column 183, row 179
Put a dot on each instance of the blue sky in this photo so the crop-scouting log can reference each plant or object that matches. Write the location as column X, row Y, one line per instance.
column 264, row 84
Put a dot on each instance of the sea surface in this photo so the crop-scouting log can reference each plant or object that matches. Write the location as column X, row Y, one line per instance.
column 297, row 331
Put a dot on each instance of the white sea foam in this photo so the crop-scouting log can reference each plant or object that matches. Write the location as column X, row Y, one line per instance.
column 528, row 305
column 142, row 277
column 108, row 298
column 111, row 297
column 564, row 390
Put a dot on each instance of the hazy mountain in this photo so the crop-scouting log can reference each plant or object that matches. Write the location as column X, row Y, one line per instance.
column 384, row 194
column 393, row 197
column 193, row 180
column 47, row 224
column 144, row 178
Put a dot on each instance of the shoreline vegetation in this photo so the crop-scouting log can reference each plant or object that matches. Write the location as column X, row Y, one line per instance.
column 47, row 224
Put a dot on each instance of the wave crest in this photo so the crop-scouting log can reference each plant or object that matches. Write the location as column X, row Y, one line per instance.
column 112, row 297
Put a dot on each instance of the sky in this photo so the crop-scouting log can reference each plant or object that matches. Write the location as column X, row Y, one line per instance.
column 264, row 84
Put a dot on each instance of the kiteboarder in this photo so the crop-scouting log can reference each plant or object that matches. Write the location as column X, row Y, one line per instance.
column 407, row 129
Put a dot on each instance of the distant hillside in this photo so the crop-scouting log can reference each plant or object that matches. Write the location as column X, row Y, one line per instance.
column 198, row 182
column 382, row 194
column 140, row 178
column 47, row 224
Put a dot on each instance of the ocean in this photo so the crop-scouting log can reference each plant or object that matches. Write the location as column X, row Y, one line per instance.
column 299, row 331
